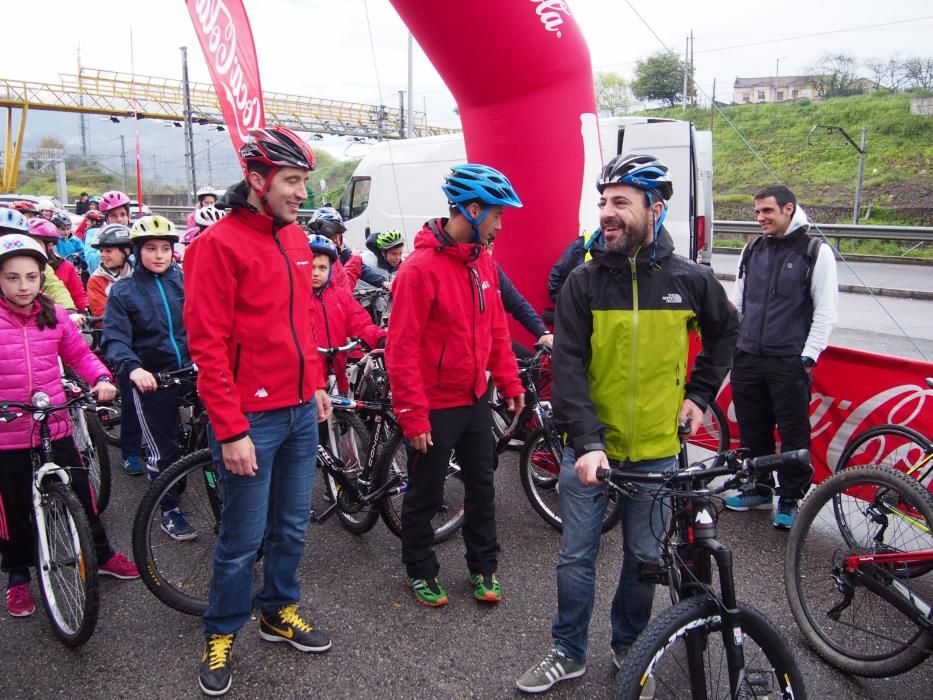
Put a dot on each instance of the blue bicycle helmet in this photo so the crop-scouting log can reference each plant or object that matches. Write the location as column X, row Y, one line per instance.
column 321, row 245
column 12, row 221
column 478, row 183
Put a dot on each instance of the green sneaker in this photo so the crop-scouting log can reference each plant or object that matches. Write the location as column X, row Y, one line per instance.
column 430, row 593
column 486, row 588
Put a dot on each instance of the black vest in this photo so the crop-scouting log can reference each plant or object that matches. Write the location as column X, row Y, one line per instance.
column 777, row 308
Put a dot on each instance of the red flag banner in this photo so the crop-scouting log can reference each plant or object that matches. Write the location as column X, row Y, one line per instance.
column 852, row 392
column 227, row 41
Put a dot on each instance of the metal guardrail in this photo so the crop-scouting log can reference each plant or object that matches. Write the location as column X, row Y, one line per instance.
column 920, row 234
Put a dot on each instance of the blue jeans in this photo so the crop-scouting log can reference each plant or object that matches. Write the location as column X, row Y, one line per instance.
column 270, row 509
column 581, row 511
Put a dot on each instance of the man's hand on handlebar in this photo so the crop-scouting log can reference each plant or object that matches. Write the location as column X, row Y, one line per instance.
column 692, row 415
column 104, row 391
column 547, row 339
column 587, row 465
column 144, row 380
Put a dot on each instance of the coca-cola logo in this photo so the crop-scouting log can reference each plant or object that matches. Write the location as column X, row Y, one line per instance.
column 218, row 34
column 550, row 13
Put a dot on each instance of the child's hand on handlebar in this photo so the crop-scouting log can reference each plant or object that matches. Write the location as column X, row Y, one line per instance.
column 104, row 391
column 143, row 380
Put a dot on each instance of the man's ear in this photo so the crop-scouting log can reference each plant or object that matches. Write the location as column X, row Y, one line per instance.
column 255, row 180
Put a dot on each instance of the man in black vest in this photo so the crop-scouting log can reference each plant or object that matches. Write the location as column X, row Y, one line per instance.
column 786, row 295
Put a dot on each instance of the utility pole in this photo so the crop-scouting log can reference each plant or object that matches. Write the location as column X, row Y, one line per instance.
column 410, row 131
column 861, row 174
column 83, row 118
column 686, row 69
column 210, row 170
column 189, row 136
column 123, row 158
column 401, row 111
column 155, row 176
column 693, row 89
column 712, row 108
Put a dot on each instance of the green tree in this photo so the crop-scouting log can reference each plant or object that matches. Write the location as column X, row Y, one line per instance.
column 660, row 77
column 613, row 96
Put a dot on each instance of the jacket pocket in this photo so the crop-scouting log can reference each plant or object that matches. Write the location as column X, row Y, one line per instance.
column 440, row 363
column 236, row 361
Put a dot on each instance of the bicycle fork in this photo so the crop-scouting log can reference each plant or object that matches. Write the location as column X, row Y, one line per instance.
column 42, row 542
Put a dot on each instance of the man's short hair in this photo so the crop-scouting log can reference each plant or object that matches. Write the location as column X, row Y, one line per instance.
column 782, row 195
column 257, row 166
column 83, row 194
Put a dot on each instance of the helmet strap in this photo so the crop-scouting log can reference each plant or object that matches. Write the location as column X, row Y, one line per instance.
column 261, row 194
column 474, row 222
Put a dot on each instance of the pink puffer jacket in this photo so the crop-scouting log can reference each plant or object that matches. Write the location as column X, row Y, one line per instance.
column 29, row 362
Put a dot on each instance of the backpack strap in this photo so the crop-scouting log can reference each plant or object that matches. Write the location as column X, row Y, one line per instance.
column 743, row 262
column 813, row 251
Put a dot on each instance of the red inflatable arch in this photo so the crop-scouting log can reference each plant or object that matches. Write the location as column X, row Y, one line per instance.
column 520, row 73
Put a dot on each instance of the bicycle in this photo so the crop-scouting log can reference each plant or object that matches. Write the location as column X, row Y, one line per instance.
column 89, row 437
column 857, row 571
column 108, row 415
column 708, row 645
column 895, row 446
column 377, row 302
column 65, row 560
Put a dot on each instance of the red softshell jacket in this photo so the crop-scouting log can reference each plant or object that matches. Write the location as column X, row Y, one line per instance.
column 447, row 328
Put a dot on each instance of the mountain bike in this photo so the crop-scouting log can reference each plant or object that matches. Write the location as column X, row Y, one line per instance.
column 65, row 560
column 894, row 446
column 89, row 437
column 708, row 645
column 377, row 302
column 108, row 414
column 857, row 571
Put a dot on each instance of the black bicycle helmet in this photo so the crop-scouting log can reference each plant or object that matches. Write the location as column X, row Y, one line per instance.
column 640, row 170
column 113, row 236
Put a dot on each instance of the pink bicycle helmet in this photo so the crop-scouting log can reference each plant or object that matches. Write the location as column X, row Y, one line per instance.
column 44, row 230
column 112, row 200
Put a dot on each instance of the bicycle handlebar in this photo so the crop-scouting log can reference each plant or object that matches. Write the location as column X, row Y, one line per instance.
column 751, row 467
column 330, row 352
column 174, row 377
column 6, row 415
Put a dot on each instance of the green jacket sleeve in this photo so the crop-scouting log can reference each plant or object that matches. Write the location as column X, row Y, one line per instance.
column 56, row 289
column 719, row 330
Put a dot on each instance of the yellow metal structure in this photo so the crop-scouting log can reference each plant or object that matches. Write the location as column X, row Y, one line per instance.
column 113, row 94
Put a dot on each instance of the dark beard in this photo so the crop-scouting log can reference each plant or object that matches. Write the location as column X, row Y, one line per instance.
column 630, row 241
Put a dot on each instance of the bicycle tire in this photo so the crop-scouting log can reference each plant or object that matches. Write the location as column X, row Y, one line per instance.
column 178, row 573
column 660, row 650
column 894, row 446
column 353, row 518
column 96, row 456
column 868, row 637
column 68, row 578
column 393, row 461
column 111, row 427
column 539, row 468
column 713, row 436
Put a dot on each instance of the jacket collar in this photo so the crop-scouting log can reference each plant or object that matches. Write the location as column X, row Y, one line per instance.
column 236, row 199
column 434, row 235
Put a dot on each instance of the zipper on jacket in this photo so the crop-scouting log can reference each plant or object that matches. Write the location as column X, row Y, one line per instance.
column 479, row 288
column 28, row 360
column 171, row 325
column 770, row 292
column 291, row 317
column 236, row 361
column 634, row 368
column 440, row 361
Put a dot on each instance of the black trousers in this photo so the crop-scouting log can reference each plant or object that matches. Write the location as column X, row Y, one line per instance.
column 468, row 430
column 157, row 413
column 131, row 435
column 769, row 392
column 17, row 541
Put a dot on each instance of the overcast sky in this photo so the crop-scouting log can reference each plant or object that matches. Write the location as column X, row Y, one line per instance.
column 324, row 48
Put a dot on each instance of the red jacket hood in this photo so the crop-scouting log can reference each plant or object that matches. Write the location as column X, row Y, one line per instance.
column 433, row 235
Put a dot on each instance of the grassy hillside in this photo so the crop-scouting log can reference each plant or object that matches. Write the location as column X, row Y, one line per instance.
column 898, row 169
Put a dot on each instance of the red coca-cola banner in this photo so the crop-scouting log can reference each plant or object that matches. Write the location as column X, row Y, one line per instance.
column 227, row 41
column 853, row 391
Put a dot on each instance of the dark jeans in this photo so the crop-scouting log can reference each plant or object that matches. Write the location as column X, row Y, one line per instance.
column 131, row 434
column 769, row 391
column 17, row 541
column 468, row 429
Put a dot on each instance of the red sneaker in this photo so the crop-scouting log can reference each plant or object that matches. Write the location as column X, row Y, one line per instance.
column 19, row 601
column 119, row 566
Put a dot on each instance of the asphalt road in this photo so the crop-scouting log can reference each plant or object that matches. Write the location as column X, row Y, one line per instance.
column 385, row 644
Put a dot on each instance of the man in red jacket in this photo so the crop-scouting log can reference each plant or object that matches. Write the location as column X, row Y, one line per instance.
column 448, row 327
column 249, row 322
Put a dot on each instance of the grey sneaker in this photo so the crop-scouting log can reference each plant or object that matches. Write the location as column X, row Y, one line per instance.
column 648, row 689
column 553, row 668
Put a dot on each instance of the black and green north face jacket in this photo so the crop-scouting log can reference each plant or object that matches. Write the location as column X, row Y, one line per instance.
column 621, row 349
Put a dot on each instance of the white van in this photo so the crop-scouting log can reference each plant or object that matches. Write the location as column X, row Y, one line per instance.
column 397, row 183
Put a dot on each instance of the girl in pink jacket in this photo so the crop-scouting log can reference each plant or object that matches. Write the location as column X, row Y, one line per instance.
column 34, row 333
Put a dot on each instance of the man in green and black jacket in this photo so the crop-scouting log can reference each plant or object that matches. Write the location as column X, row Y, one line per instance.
column 620, row 391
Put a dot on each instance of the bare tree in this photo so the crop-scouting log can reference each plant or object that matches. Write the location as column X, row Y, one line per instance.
column 834, row 75
column 890, row 75
column 919, row 73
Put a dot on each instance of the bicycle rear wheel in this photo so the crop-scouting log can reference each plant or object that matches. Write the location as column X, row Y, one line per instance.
column 110, row 420
column 67, row 565
column 539, row 469
column 178, row 572
column 896, row 447
column 864, row 510
column 695, row 626
column 91, row 442
column 712, row 437
column 393, row 461
column 353, row 440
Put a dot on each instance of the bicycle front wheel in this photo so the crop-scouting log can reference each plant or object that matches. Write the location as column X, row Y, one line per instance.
column 67, row 565
column 712, row 437
column 178, row 571
column 683, row 651
column 539, row 469
column 393, row 462
column 352, row 440
column 864, row 510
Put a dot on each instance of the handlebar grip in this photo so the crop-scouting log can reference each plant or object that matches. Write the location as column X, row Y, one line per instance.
column 603, row 474
column 683, row 429
column 769, row 463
